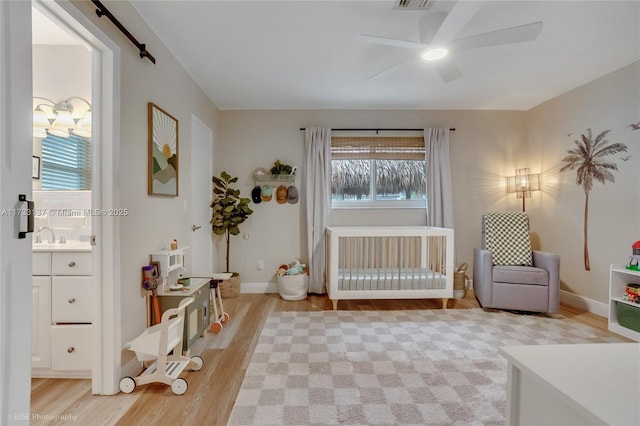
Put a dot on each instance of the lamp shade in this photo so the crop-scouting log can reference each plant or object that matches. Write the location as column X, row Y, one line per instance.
column 39, row 132
column 40, row 120
column 62, row 124
column 83, row 128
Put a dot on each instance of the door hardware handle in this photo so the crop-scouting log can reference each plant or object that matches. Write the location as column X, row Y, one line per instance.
column 72, row 264
column 194, row 228
column 26, row 215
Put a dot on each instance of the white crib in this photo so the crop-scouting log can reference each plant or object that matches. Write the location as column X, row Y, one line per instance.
column 389, row 262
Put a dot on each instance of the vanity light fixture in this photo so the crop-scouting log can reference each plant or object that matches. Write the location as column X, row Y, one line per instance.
column 58, row 118
column 523, row 183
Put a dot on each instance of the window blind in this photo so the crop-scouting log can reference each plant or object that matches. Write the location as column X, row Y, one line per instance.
column 66, row 162
column 377, row 148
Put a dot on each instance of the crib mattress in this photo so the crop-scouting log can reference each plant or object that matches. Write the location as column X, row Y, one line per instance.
column 397, row 279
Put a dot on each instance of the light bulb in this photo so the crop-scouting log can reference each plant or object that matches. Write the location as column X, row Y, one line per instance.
column 435, row 54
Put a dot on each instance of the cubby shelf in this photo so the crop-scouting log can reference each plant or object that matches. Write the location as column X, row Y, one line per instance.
column 619, row 277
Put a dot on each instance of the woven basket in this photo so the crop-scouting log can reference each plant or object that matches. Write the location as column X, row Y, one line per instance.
column 459, row 281
column 231, row 287
column 459, row 285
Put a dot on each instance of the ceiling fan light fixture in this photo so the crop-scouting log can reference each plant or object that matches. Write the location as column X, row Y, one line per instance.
column 434, row 54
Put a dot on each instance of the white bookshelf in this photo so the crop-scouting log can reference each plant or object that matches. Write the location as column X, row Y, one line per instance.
column 619, row 277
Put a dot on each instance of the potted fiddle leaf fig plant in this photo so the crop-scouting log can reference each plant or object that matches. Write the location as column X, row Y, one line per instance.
column 229, row 211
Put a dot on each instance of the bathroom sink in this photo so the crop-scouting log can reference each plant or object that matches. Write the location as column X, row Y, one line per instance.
column 69, row 245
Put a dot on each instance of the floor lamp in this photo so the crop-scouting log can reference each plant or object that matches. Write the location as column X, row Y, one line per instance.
column 523, row 184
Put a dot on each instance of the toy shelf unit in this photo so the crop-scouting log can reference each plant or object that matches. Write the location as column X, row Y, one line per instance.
column 196, row 314
column 171, row 266
column 624, row 316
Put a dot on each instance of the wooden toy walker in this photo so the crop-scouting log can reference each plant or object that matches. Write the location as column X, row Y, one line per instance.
column 155, row 343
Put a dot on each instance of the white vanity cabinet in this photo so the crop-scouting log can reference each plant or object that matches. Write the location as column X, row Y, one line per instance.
column 63, row 309
column 41, row 320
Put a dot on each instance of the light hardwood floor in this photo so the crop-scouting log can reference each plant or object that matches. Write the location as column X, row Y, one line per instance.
column 212, row 390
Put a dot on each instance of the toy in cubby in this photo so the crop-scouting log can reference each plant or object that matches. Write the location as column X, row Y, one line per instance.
column 634, row 259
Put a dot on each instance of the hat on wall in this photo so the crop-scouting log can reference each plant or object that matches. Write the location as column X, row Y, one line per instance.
column 292, row 194
column 255, row 195
column 281, row 194
column 266, row 193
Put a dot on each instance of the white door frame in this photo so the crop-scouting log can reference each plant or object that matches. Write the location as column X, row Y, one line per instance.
column 106, row 139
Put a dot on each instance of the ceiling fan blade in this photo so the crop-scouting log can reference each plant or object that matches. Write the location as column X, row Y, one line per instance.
column 456, row 20
column 448, row 70
column 371, row 77
column 517, row 34
column 406, row 44
column 429, row 25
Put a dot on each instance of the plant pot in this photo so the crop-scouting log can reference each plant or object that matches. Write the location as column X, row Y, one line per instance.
column 231, row 287
column 293, row 287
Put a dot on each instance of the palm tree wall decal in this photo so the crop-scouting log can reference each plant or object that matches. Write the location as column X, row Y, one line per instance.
column 588, row 159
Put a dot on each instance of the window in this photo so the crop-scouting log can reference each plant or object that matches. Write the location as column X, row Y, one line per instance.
column 378, row 172
column 66, row 163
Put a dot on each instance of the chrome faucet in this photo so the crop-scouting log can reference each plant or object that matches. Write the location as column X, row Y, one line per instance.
column 53, row 235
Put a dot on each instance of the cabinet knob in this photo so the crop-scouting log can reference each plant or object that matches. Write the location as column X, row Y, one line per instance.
column 71, row 349
column 72, row 300
column 72, row 264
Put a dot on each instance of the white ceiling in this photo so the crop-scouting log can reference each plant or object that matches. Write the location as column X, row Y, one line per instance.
column 304, row 54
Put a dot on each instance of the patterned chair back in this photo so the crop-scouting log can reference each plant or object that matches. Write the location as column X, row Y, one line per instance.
column 506, row 236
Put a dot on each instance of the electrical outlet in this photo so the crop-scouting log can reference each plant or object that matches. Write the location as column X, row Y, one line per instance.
column 260, row 265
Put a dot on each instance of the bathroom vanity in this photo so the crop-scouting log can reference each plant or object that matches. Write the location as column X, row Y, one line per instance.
column 63, row 310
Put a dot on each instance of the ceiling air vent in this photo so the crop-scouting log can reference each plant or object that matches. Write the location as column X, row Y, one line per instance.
column 412, row 4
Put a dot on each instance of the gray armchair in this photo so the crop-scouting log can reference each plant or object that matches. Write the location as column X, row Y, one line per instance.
column 507, row 274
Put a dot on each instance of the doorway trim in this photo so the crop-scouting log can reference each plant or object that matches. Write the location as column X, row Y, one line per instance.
column 105, row 372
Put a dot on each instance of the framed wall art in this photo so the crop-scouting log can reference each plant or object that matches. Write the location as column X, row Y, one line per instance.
column 163, row 152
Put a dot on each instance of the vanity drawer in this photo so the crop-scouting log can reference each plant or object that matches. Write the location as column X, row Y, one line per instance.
column 72, row 299
column 72, row 264
column 71, row 347
column 41, row 264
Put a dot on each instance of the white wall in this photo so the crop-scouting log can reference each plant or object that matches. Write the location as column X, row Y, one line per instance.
column 485, row 148
column 153, row 221
column 62, row 71
column 608, row 103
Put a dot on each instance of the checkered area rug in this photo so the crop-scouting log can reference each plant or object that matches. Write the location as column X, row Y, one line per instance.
column 390, row 367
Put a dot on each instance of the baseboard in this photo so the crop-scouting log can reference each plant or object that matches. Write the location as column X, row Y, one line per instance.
column 589, row 305
column 258, row 287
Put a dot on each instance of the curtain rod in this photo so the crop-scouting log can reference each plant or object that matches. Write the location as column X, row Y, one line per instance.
column 452, row 129
column 102, row 10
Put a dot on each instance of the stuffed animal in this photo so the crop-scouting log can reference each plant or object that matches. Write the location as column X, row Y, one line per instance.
column 294, row 268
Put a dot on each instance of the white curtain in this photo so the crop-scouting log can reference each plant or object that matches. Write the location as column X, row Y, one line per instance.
column 318, row 201
column 439, row 197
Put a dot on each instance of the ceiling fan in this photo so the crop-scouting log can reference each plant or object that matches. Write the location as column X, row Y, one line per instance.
column 437, row 38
